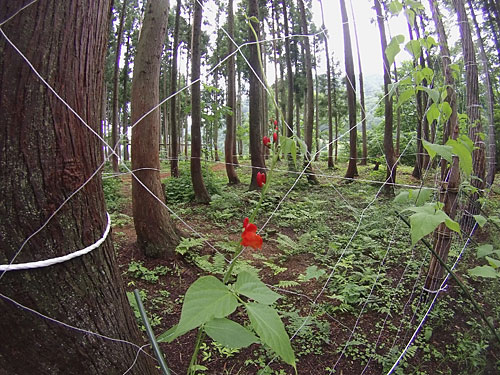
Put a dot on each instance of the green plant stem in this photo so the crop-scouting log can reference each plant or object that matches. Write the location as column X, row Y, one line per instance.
column 460, row 283
column 194, row 357
column 151, row 336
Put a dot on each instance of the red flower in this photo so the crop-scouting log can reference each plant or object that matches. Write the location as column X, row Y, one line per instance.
column 275, row 137
column 261, row 179
column 266, row 140
column 249, row 237
column 276, row 123
column 245, row 222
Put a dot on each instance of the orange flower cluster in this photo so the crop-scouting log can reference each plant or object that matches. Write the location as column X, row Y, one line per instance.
column 249, row 237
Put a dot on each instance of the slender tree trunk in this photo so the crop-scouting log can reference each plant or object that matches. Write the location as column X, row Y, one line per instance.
column 316, row 104
column 309, row 102
column 174, row 121
column 164, row 124
column 388, row 139
column 329, row 83
column 237, row 122
column 200, row 191
column 490, row 99
column 474, row 115
column 231, row 101
column 156, row 234
column 289, row 74
column 352, row 169
column 47, row 154
column 450, row 175
column 256, row 156
column 421, row 104
column 364, row 153
column 487, row 14
column 118, row 49
column 398, row 113
column 336, row 115
column 275, row 32
column 125, row 100
column 425, row 104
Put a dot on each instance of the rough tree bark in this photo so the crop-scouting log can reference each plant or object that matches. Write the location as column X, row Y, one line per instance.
column 156, row 234
column 174, row 144
column 352, row 169
column 231, row 101
column 450, row 175
column 46, row 154
column 474, row 115
column 490, row 99
column 255, row 93
column 200, row 191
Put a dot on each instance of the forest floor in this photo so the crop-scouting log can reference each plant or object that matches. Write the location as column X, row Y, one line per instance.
column 351, row 284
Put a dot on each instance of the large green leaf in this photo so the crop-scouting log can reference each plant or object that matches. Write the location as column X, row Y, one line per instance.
column 405, row 96
column 484, row 271
column 270, row 328
column 433, row 93
column 413, row 47
column 481, row 220
column 395, row 7
column 464, row 155
column 420, row 195
column 495, row 263
column 229, row 334
column 434, row 149
column 250, row 285
column 445, row 110
column 425, row 219
column 410, row 17
column 288, row 146
column 165, row 336
column 206, row 298
column 484, row 250
column 393, row 48
column 432, row 113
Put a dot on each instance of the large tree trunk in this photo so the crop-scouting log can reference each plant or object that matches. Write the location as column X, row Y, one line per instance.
column 47, row 154
column 200, row 191
column 352, row 169
column 174, row 126
column 450, row 175
column 118, row 49
column 256, row 157
column 156, row 234
column 309, row 101
column 231, row 101
column 474, row 115
column 388, row 139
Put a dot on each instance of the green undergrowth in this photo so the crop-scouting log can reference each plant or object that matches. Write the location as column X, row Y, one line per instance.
column 345, row 241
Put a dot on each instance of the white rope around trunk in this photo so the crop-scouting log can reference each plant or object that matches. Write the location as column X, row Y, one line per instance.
column 64, row 258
